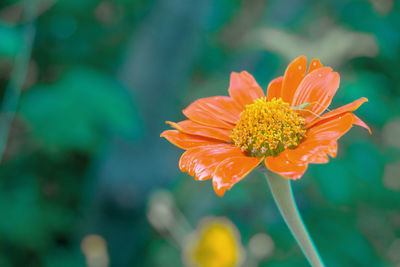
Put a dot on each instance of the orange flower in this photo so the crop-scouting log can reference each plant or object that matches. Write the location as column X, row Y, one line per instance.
column 225, row 138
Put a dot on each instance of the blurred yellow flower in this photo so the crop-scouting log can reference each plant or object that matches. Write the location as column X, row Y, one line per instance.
column 94, row 247
column 215, row 243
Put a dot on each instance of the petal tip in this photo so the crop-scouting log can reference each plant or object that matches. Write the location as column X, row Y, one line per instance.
column 234, row 74
column 219, row 189
column 302, row 57
column 174, row 125
column 294, row 177
column 359, row 122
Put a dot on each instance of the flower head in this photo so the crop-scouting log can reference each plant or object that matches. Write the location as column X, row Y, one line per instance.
column 215, row 243
column 225, row 138
column 267, row 128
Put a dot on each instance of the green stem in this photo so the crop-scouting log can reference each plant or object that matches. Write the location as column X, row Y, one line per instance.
column 282, row 192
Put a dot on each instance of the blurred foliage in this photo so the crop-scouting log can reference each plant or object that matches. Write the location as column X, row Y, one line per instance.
column 84, row 151
column 74, row 112
column 11, row 40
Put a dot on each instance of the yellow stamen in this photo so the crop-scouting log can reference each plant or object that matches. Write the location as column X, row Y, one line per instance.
column 266, row 128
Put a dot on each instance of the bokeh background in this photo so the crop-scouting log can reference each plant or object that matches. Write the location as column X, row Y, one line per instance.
column 83, row 163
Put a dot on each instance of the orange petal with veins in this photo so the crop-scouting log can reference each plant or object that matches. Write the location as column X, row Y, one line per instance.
column 313, row 151
column 317, row 89
column 283, row 166
column 275, row 88
column 321, row 140
column 186, row 141
column 244, row 89
column 314, row 64
column 359, row 122
column 218, row 111
column 231, row 171
column 340, row 111
column 193, row 128
column 201, row 162
column 294, row 74
column 331, row 129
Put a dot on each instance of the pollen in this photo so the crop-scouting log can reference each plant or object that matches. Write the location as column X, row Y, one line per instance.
column 267, row 128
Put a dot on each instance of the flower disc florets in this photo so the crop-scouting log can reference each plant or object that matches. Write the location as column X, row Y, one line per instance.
column 266, row 128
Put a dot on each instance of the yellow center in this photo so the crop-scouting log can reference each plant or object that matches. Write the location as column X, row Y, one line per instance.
column 266, row 128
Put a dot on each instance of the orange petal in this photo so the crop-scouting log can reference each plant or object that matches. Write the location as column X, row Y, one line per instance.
column 359, row 122
column 275, row 88
column 186, row 141
column 219, row 111
column 321, row 141
column 317, row 89
column 193, row 128
column 283, row 166
column 231, row 171
column 331, row 129
column 313, row 151
column 339, row 111
column 244, row 89
column 319, row 158
column 314, row 64
column 201, row 162
column 294, row 74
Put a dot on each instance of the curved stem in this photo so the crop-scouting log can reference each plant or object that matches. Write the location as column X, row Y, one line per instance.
column 282, row 192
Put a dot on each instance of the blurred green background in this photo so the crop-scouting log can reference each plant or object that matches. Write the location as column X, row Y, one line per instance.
column 83, row 153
